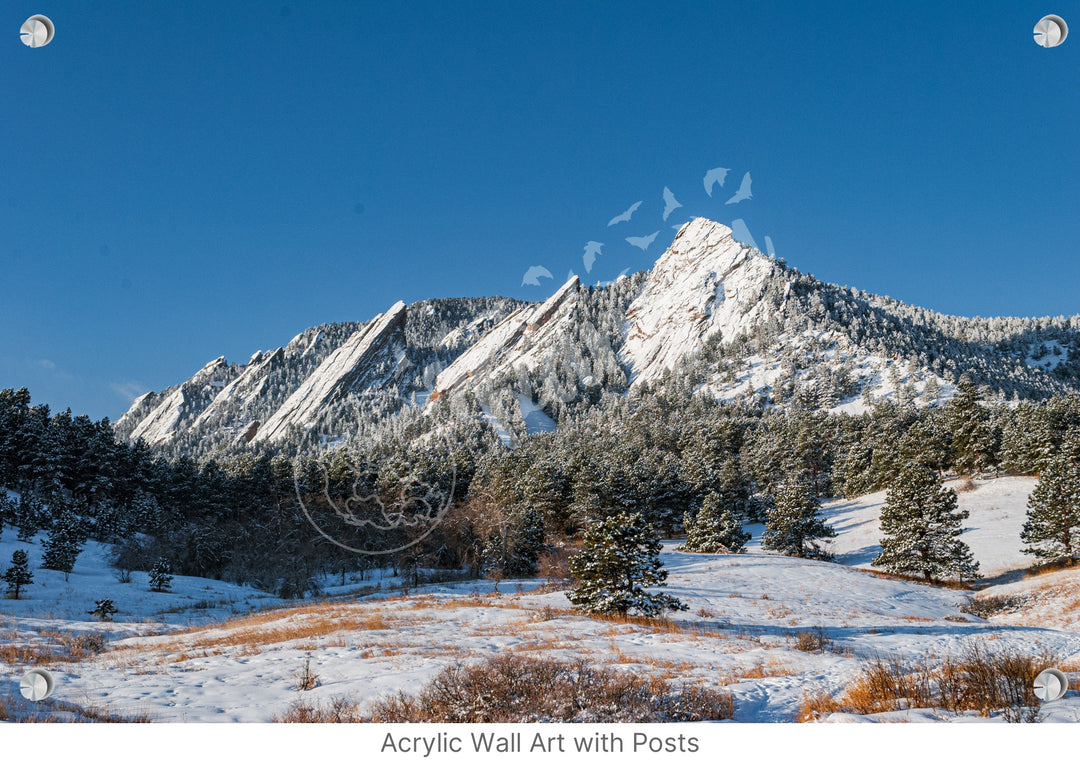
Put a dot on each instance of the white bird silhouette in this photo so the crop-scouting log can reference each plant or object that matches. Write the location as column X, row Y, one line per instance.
column 626, row 215
column 592, row 250
column 743, row 192
column 643, row 242
column 716, row 175
column 532, row 277
column 671, row 204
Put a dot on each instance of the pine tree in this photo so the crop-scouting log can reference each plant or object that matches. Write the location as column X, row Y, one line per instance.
column 8, row 512
column 62, row 547
column 619, row 559
column 714, row 529
column 794, row 524
column 104, row 609
column 974, row 440
column 922, row 529
column 19, row 574
column 30, row 517
column 1052, row 529
column 160, row 577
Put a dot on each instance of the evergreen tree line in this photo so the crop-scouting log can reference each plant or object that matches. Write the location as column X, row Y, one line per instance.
column 679, row 459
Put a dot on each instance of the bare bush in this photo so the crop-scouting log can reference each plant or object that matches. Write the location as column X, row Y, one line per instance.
column 813, row 641
column 306, row 678
column 985, row 607
column 966, row 484
column 87, row 644
column 340, row 710
column 987, row 681
column 509, row 689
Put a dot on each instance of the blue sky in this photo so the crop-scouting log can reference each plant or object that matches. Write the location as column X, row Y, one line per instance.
column 191, row 179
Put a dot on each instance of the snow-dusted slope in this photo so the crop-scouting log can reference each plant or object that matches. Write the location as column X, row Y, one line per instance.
column 353, row 361
column 224, row 406
column 242, row 391
column 997, row 510
column 518, row 340
column 705, row 283
column 187, row 400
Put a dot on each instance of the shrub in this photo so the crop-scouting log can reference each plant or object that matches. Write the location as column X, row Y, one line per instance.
column 306, row 678
column 104, row 609
column 977, row 679
column 510, row 689
column 985, row 607
column 813, row 641
column 340, row 710
column 86, row 644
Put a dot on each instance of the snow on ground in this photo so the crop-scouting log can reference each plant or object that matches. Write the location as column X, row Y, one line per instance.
column 535, row 419
column 997, row 512
column 211, row 651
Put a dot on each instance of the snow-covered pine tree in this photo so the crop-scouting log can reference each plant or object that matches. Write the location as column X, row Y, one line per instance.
column 104, row 609
column 922, row 529
column 160, row 576
column 8, row 511
column 714, row 529
column 619, row 559
column 794, row 524
column 66, row 537
column 18, row 575
column 1052, row 529
column 30, row 516
column 974, row 441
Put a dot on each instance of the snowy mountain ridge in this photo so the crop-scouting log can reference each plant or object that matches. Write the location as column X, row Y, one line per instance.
column 712, row 314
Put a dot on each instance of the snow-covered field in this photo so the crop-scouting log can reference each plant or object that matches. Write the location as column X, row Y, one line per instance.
column 997, row 513
column 210, row 651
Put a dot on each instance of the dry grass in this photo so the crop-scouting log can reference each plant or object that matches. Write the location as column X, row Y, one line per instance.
column 688, row 630
column 249, row 634
column 51, row 647
column 770, row 668
column 817, row 706
column 88, row 713
column 978, row 680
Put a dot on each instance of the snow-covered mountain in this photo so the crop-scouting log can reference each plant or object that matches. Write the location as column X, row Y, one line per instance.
column 317, row 382
column 713, row 315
